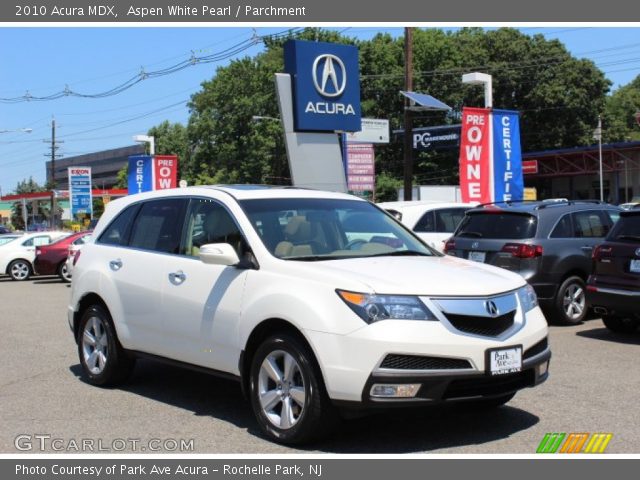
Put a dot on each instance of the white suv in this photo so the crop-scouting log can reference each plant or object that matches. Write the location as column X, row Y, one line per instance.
column 316, row 302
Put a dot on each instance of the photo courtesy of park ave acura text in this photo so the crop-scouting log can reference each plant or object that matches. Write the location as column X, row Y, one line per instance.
column 335, row 241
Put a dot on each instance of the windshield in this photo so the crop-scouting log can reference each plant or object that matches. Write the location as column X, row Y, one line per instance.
column 327, row 229
column 509, row 226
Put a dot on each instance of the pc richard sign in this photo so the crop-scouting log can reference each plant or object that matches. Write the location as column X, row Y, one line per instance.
column 326, row 85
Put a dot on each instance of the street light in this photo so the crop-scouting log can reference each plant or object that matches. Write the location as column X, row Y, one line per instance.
column 23, row 130
column 597, row 135
column 257, row 118
column 477, row 78
column 148, row 139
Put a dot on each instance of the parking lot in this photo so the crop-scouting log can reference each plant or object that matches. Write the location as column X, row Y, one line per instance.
column 592, row 388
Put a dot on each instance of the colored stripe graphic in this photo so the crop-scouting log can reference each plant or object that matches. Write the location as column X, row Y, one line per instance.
column 574, row 443
column 550, row 443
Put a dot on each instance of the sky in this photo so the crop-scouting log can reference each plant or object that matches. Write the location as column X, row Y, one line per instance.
column 43, row 61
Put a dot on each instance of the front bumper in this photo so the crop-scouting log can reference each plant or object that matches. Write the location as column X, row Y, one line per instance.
column 352, row 363
column 452, row 388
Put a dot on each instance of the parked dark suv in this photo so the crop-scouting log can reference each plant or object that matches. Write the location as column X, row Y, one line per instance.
column 549, row 243
column 613, row 289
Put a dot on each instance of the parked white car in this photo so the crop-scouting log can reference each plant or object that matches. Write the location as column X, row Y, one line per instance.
column 72, row 253
column 433, row 222
column 315, row 302
column 17, row 256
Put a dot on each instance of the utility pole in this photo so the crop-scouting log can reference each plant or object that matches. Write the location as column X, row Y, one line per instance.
column 408, row 137
column 52, row 171
column 597, row 135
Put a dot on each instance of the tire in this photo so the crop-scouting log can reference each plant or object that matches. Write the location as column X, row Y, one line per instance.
column 619, row 324
column 570, row 304
column 19, row 270
column 488, row 403
column 302, row 394
column 63, row 272
column 111, row 365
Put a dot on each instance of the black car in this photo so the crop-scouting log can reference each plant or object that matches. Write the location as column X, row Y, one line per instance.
column 613, row 289
column 549, row 243
column 4, row 230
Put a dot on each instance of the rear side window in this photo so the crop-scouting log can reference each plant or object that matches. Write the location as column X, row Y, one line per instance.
column 116, row 232
column 564, row 228
column 589, row 224
column 509, row 226
column 158, row 226
column 447, row 219
column 626, row 229
column 426, row 223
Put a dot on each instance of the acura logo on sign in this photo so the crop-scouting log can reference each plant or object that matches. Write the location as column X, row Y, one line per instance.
column 492, row 308
column 324, row 75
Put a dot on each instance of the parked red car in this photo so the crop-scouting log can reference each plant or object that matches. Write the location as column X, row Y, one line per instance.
column 52, row 259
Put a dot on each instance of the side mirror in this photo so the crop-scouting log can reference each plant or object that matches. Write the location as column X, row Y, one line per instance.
column 219, row 254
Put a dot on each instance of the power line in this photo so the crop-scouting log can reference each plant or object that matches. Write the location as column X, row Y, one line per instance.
column 144, row 75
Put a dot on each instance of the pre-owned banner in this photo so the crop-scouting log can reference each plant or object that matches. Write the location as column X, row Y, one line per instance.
column 476, row 181
column 507, row 157
column 165, row 171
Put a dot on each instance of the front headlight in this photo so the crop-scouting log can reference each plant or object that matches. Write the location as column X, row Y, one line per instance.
column 528, row 298
column 373, row 308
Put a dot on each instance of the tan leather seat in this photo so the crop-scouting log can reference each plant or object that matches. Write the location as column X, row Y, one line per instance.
column 298, row 235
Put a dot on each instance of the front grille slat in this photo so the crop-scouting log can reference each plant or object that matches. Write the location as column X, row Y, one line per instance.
column 484, row 386
column 484, row 326
column 416, row 362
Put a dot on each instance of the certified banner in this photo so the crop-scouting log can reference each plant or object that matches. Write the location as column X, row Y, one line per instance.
column 80, row 190
column 507, row 157
column 476, row 176
column 140, row 174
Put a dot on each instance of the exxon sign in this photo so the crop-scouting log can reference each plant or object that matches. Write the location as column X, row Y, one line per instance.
column 326, row 85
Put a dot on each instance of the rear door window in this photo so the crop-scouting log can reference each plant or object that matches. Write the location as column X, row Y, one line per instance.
column 447, row 219
column 498, row 225
column 590, row 224
column 426, row 223
column 158, row 226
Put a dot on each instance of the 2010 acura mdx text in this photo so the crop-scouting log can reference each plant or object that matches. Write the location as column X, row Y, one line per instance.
column 318, row 303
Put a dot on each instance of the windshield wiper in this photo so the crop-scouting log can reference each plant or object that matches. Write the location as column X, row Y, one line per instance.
column 470, row 234
column 310, row 258
column 401, row 253
column 628, row 237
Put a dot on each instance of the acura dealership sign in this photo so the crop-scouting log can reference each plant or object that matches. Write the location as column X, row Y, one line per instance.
column 326, row 86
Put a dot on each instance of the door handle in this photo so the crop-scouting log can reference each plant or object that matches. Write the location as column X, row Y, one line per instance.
column 586, row 247
column 115, row 265
column 177, row 278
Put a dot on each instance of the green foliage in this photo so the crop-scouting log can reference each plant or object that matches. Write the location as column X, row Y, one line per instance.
column 619, row 122
column 27, row 186
column 387, row 187
column 559, row 98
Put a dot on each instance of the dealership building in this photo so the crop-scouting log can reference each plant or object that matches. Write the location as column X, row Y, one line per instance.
column 575, row 172
column 105, row 166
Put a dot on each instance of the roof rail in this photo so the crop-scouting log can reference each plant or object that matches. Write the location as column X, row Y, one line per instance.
column 565, row 202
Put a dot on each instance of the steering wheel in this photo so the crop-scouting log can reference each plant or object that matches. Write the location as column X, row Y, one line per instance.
column 353, row 243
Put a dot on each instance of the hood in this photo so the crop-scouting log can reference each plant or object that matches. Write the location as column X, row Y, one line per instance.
column 429, row 276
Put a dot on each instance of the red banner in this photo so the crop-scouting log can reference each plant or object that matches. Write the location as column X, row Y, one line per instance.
column 475, row 156
column 165, row 171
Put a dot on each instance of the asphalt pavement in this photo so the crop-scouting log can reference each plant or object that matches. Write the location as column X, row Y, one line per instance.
column 593, row 388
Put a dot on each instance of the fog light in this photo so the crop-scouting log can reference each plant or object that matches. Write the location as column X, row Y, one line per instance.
column 395, row 391
column 543, row 368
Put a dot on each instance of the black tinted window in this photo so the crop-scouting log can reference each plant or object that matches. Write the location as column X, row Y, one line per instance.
column 564, row 228
column 158, row 226
column 447, row 219
column 426, row 223
column 589, row 224
column 626, row 229
column 116, row 232
column 510, row 226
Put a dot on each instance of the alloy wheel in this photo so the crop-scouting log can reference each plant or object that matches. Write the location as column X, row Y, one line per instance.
column 281, row 389
column 574, row 301
column 95, row 343
column 19, row 270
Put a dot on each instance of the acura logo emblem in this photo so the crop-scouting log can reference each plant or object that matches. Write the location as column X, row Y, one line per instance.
column 637, row 252
column 492, row 308
column 324, row 75
column 475, row 245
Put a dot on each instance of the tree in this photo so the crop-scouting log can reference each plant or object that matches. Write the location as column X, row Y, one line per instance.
column 619, row 121
column 559, row 98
